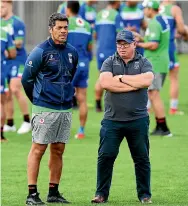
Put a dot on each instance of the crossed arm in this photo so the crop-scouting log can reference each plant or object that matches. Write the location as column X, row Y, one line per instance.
column 130, row 82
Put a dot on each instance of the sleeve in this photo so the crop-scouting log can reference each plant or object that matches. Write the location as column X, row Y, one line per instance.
column 147, row 66
column 154, row 32
column 119, row 23
column 19, row 30
column 32, row 66
column 10, row 43
column 107, row 65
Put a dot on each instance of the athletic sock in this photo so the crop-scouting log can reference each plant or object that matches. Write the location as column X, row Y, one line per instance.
column 81, row 129
column 10, row 122
column 32, row 189
column 53, row 188
column 2, row 134
column 26, row 118
column 174, row 104
column 98, row 104
column 161, row 124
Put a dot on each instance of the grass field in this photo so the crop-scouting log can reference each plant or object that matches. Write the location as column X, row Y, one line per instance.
column 169, row 159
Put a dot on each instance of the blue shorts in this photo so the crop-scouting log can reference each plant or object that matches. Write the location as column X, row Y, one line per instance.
column 81, row 76
column 13, row 69
column 174, row 63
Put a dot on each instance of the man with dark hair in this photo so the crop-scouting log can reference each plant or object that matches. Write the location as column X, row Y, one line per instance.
column 47, row 80
column 80, row 36
column 125, row 76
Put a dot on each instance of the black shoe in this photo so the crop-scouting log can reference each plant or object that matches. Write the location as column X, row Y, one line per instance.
column 146, row 200
column 160, row 132
column 57, row 198
column 34, row 199
column 98, row 199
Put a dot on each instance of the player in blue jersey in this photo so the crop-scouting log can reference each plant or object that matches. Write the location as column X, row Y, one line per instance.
column 176, row 22
column 88, row 12
column 16, row 28
column 133, row 18
column 8, row 50
column 80, row 36
column 108, row 23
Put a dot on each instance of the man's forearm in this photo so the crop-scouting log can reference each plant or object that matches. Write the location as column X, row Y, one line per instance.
column 139, row 81
column 147, row 45
column 115, row 86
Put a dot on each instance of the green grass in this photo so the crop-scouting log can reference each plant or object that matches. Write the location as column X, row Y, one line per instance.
column 169, row 160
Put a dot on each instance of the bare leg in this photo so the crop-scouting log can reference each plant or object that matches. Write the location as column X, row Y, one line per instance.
column 33, row 163
column 81, row 94
column 56, row 162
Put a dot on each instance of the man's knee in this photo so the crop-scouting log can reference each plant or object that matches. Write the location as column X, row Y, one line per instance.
column 152, row 94
column 38, row 150
column 81, row 97
column 57, row 149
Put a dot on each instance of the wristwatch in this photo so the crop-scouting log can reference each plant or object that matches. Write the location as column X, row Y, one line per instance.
column 120, row 78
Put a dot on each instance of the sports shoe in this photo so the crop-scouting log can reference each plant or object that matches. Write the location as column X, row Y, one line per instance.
column 57, row 198
column 160, row 132
column 175, row 112
column 25, row 128
column 98, row 199
column 80, row 136
column 34, row 199
column 8, row 128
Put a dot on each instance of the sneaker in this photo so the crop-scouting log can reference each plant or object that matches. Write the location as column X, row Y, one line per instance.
column 80, row 136
column 175, row 112
column 146, row 200
column 25, row 128
column 8, row 128
column 160, row 132
column 98, row 199
column 57, row 198
column 34, row 199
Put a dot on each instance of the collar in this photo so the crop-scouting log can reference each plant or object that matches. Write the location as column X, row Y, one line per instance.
column 59, row 46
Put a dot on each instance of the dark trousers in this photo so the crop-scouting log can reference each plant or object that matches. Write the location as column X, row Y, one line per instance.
column 111, row 136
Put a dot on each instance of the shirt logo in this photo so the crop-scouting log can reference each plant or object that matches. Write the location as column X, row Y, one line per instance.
column 41, row 121
column 116, row 63
column 136, row 65
column 30, row 64
column 79, row 22
column 70, row 57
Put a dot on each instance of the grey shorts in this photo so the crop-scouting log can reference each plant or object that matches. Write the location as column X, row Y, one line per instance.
column 51, row 127
column 158, row 81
